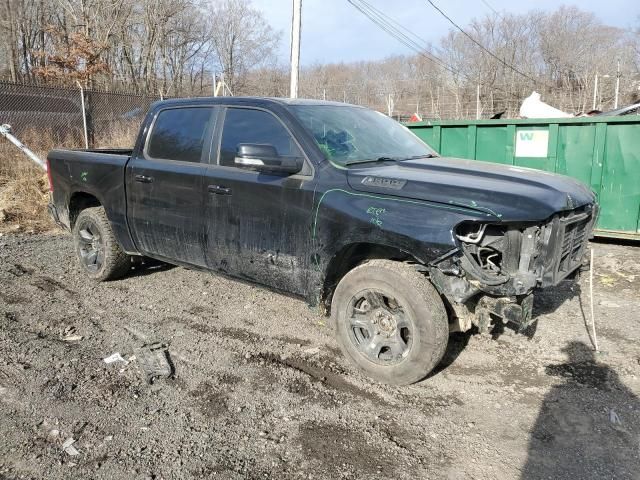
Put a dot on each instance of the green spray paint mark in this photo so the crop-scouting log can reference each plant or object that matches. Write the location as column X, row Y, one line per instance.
column 390, row 199
column 315, row 258
column 83, row 176
column 375, row 213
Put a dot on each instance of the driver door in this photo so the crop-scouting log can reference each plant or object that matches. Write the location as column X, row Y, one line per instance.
column 258, row 224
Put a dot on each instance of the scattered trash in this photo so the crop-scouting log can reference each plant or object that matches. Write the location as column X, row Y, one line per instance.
column 115, row 357
column 614, row 418
column 154, row 359
column 633, row 109
column 68, row 447
column 69, row 335
column 609, row 304
column 72, row 338
column 533, row 107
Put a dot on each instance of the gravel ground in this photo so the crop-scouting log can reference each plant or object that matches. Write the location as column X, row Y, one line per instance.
column 261, row 390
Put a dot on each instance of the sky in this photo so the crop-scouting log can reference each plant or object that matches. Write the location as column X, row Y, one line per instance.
column 334, row 31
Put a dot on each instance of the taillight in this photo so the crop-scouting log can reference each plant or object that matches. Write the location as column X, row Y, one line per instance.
column 49, row 175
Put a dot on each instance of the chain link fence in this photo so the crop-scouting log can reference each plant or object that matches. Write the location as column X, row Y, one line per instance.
column 45, row 116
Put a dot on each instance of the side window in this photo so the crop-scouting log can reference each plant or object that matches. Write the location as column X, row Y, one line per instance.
column 243, row 125
column 179, row 134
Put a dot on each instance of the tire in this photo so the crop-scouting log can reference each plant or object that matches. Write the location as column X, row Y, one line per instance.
column 98, row 252
column 390, row 321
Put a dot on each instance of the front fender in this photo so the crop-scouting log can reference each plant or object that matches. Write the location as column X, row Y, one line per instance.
column 422, row 229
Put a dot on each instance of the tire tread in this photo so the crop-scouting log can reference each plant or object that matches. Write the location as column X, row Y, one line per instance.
column 116, row 262
column 428, row 295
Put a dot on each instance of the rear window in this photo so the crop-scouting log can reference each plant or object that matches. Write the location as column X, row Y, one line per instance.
column 179, row 134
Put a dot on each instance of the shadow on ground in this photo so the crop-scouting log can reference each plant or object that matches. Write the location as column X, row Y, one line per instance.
column 588, row 424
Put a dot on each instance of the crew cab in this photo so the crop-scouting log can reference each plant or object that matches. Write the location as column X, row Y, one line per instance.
column 336, row 203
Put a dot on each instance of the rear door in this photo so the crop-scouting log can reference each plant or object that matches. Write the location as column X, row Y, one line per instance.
column 258, row 224
column 165, row 193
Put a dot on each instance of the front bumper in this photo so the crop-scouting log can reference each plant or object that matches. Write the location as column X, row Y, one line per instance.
column 482, row 311
column 516, row 311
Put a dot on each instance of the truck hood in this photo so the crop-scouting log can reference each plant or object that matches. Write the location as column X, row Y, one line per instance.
column 506, row 192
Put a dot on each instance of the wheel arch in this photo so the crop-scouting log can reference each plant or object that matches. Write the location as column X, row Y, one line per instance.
column 352, row 255
column 79, row 201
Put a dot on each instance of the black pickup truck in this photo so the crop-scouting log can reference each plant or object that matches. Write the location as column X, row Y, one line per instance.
column 336, row 203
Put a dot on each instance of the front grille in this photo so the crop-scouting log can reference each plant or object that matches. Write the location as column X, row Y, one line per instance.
column 566, row 243
column 573, row 242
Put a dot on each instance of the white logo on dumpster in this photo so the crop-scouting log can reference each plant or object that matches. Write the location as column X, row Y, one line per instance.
column 532, row 143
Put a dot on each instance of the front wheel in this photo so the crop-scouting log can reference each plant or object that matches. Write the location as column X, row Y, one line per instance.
column 390, row 321
column 97, row 249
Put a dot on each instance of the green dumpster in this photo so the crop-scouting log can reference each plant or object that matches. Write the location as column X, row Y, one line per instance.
column 603, row 152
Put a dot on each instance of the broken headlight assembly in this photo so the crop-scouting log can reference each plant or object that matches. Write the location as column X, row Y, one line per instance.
column 483, row 247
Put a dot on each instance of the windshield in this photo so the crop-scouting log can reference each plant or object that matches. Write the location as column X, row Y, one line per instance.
column 348, row 135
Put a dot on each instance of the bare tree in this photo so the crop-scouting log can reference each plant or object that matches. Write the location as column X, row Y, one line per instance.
column 242, row 39
column 173, row 47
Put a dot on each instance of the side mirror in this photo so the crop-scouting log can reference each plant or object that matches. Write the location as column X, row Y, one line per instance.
column 265, row 158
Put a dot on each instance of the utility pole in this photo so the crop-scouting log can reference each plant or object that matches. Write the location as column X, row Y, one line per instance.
column 615, row 102
column 595, row 92
column 84, row 115
column 478, row 102
column 296, row 20
column 390, row 104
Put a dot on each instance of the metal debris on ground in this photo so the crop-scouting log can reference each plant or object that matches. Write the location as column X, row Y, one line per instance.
column 68, row 447
column 614, row 418
column 69, row 335
column 154, row 359
column 72, row 338
column 115, row 357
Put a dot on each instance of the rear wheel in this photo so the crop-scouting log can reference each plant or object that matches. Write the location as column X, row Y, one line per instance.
column 390, row 321
column 98, row 252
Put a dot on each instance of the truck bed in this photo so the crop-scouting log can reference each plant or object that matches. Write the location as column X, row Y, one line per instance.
column 82, row 176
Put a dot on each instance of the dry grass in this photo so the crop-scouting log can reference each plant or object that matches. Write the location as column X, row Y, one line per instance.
column 24, row 186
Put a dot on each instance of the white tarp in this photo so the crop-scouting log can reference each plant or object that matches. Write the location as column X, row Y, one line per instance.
column 533, row 107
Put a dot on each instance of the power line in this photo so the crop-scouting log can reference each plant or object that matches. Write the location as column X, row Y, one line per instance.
column 506, row 64
column 408, row 38
column 400, row 33
column 488, row 5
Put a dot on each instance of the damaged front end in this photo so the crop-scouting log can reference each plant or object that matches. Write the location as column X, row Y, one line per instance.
column 496, row 267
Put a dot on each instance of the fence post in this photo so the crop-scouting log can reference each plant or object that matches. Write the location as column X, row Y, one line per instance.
column 84, row 116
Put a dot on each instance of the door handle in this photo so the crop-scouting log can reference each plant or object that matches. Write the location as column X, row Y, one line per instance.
column 219, row 190
column 143, row 179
